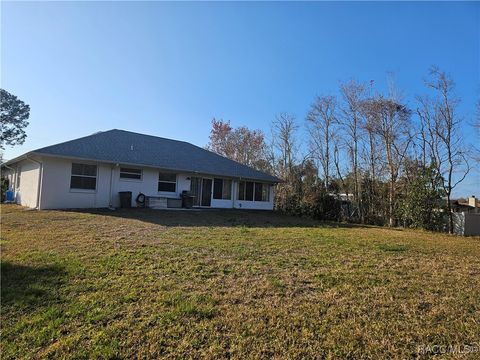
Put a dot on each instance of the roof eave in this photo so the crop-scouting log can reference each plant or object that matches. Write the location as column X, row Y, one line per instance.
column 17, row 159
column 274, row 179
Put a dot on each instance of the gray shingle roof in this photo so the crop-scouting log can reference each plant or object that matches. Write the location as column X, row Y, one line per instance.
column 116, row 146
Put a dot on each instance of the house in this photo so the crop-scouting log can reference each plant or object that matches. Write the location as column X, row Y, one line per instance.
column 89, row 172
column 470, row 205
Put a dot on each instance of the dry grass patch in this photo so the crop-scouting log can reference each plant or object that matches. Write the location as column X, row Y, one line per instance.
column 229, row 284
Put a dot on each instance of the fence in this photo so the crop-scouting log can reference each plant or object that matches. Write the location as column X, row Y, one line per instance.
column 466, row 224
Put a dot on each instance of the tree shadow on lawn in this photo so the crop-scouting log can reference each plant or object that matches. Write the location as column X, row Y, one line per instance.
column 30, row 286
column 216, row 218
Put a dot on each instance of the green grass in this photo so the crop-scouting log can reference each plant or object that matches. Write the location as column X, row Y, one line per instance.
column 229, row 284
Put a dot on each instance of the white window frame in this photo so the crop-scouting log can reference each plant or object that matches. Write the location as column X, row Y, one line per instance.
column 167, row 182
column 88, row 176
column 132, row 173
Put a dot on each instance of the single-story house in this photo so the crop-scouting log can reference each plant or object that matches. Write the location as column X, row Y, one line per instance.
column 89, row 172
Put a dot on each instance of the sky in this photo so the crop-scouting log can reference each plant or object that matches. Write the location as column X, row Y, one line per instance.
column 167, row 69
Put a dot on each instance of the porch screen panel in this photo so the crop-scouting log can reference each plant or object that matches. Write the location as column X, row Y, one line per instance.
column 249, row 191
column 227, row 189
column 217, row 188
column 266, row 192
column 195, row 189
column 241, row 190
column 258, row 191
column 222, row 189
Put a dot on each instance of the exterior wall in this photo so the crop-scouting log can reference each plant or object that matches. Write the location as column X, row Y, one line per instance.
column 466, row 224
column 472, row 225
column 26, row 192
column 222, row 204
column 56, row 192
column 148, row 185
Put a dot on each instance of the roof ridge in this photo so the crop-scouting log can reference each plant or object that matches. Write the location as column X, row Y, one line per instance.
column 153, row 136
column 80, row 138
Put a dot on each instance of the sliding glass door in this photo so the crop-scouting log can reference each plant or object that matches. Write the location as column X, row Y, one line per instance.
column 201, row 188
column 206, row 192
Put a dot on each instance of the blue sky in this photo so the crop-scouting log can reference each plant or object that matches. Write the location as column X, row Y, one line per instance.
column 167, row 68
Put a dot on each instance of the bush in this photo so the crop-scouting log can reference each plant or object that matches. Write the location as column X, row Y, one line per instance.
column 421, row 206
column 317, row 204
column 4, row 187
column 323, row 206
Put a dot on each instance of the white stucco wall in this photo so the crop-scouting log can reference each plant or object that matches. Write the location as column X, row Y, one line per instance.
column 26, row 192
column 56, row 192
column 148, row 185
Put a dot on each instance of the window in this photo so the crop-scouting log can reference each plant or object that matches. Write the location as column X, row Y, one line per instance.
column 258, row 191
column 83, row 177
column 129, row 173
column 241, row 190
column 266, row 192
column 222, row 189
column 167, row 182
column 250, row 191
column 245, row 190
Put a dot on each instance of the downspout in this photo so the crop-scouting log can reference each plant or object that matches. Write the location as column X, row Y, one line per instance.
column 40, row 181
column 110, row 205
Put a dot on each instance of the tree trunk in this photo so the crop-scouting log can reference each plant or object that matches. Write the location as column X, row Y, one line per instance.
column 391, row 221
column 450, row 214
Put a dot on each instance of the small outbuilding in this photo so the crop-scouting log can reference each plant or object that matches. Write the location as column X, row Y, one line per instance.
column 466, row 224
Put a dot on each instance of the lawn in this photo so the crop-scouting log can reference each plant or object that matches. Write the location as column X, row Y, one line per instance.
column 230, row 284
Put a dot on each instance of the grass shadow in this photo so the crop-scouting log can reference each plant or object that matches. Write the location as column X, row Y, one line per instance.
column 215, row 218
column 30, row 286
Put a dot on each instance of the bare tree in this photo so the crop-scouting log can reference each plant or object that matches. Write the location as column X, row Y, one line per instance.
column 390, row 121
column 429, row 141
column 353, row 94
column 337, row 147
column 283, row 154
column 322, row 118
column 447, row 150
column 371, row 155
column 477, row 127
column 284, row 129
